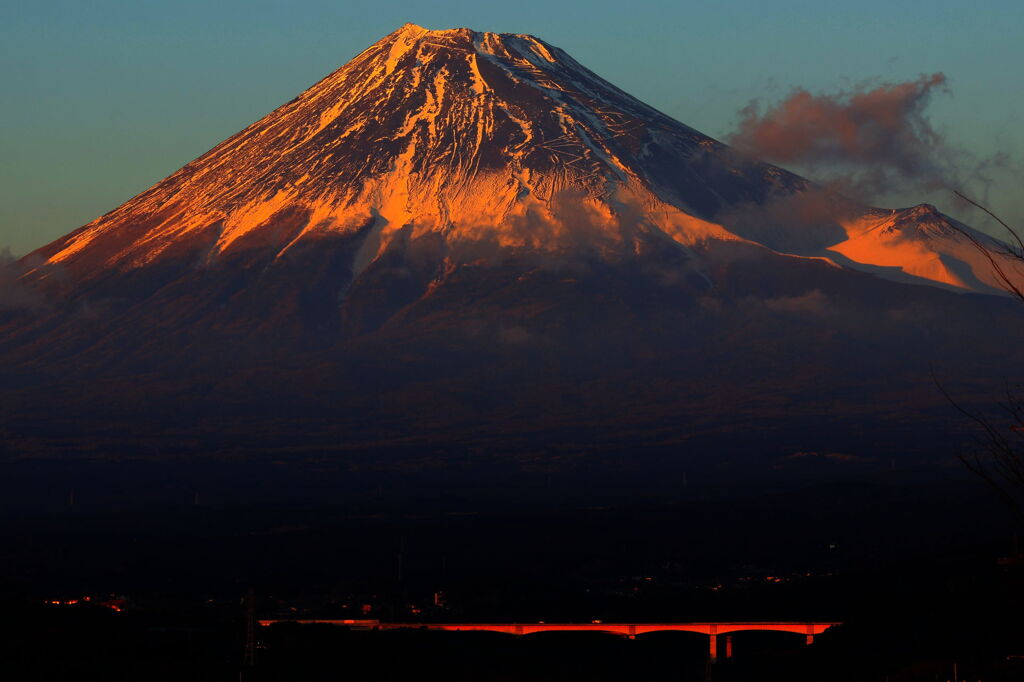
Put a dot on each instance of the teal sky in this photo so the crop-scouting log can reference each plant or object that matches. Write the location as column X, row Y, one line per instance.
column 102, row 98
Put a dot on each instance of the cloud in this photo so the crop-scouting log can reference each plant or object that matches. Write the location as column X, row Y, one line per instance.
column 15, row 295
column 817, row 212
column 813, row 302
column 809, row 303
column 867, row 142
column 569, row 233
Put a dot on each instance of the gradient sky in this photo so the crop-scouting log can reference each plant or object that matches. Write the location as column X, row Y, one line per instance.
column 102, row 99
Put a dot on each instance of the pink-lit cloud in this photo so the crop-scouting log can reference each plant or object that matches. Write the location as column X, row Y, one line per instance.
column 869, row 141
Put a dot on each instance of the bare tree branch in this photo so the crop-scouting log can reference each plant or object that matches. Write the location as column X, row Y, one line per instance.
column 1005, row 281
column 1013, row 233
column 999, row 461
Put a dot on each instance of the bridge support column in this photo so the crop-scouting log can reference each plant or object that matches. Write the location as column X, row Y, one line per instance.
column 810, row 635
column 728, row 646
column 713, row 647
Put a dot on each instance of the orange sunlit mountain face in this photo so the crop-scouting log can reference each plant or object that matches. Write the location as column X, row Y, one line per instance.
column 489, row 144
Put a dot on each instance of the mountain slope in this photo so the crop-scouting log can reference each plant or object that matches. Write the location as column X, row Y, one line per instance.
column 450, row 130
column 464, row 235
column 477, row 137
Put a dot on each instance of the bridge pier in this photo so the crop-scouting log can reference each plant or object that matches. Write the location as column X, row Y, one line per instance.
column 713, row 643
column 728, row 647
column 810, row 635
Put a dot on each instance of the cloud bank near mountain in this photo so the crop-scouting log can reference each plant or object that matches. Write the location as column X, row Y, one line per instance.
column 870, row 141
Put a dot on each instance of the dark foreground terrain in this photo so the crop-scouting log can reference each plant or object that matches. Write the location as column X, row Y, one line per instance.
column 907, row 559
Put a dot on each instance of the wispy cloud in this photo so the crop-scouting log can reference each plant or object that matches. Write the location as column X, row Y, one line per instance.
column 14, row 294
column 871, row 141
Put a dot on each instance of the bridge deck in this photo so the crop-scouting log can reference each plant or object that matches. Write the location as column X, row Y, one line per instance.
column 809, row 628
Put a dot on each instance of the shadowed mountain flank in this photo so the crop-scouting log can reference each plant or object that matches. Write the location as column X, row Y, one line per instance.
column 467, row 237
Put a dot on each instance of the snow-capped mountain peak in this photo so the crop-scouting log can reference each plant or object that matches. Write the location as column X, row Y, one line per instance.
column 476, row 136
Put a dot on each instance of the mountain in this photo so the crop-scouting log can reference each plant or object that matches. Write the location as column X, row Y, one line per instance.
column 470, row 237
column 462, row 134
column 472, row 136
